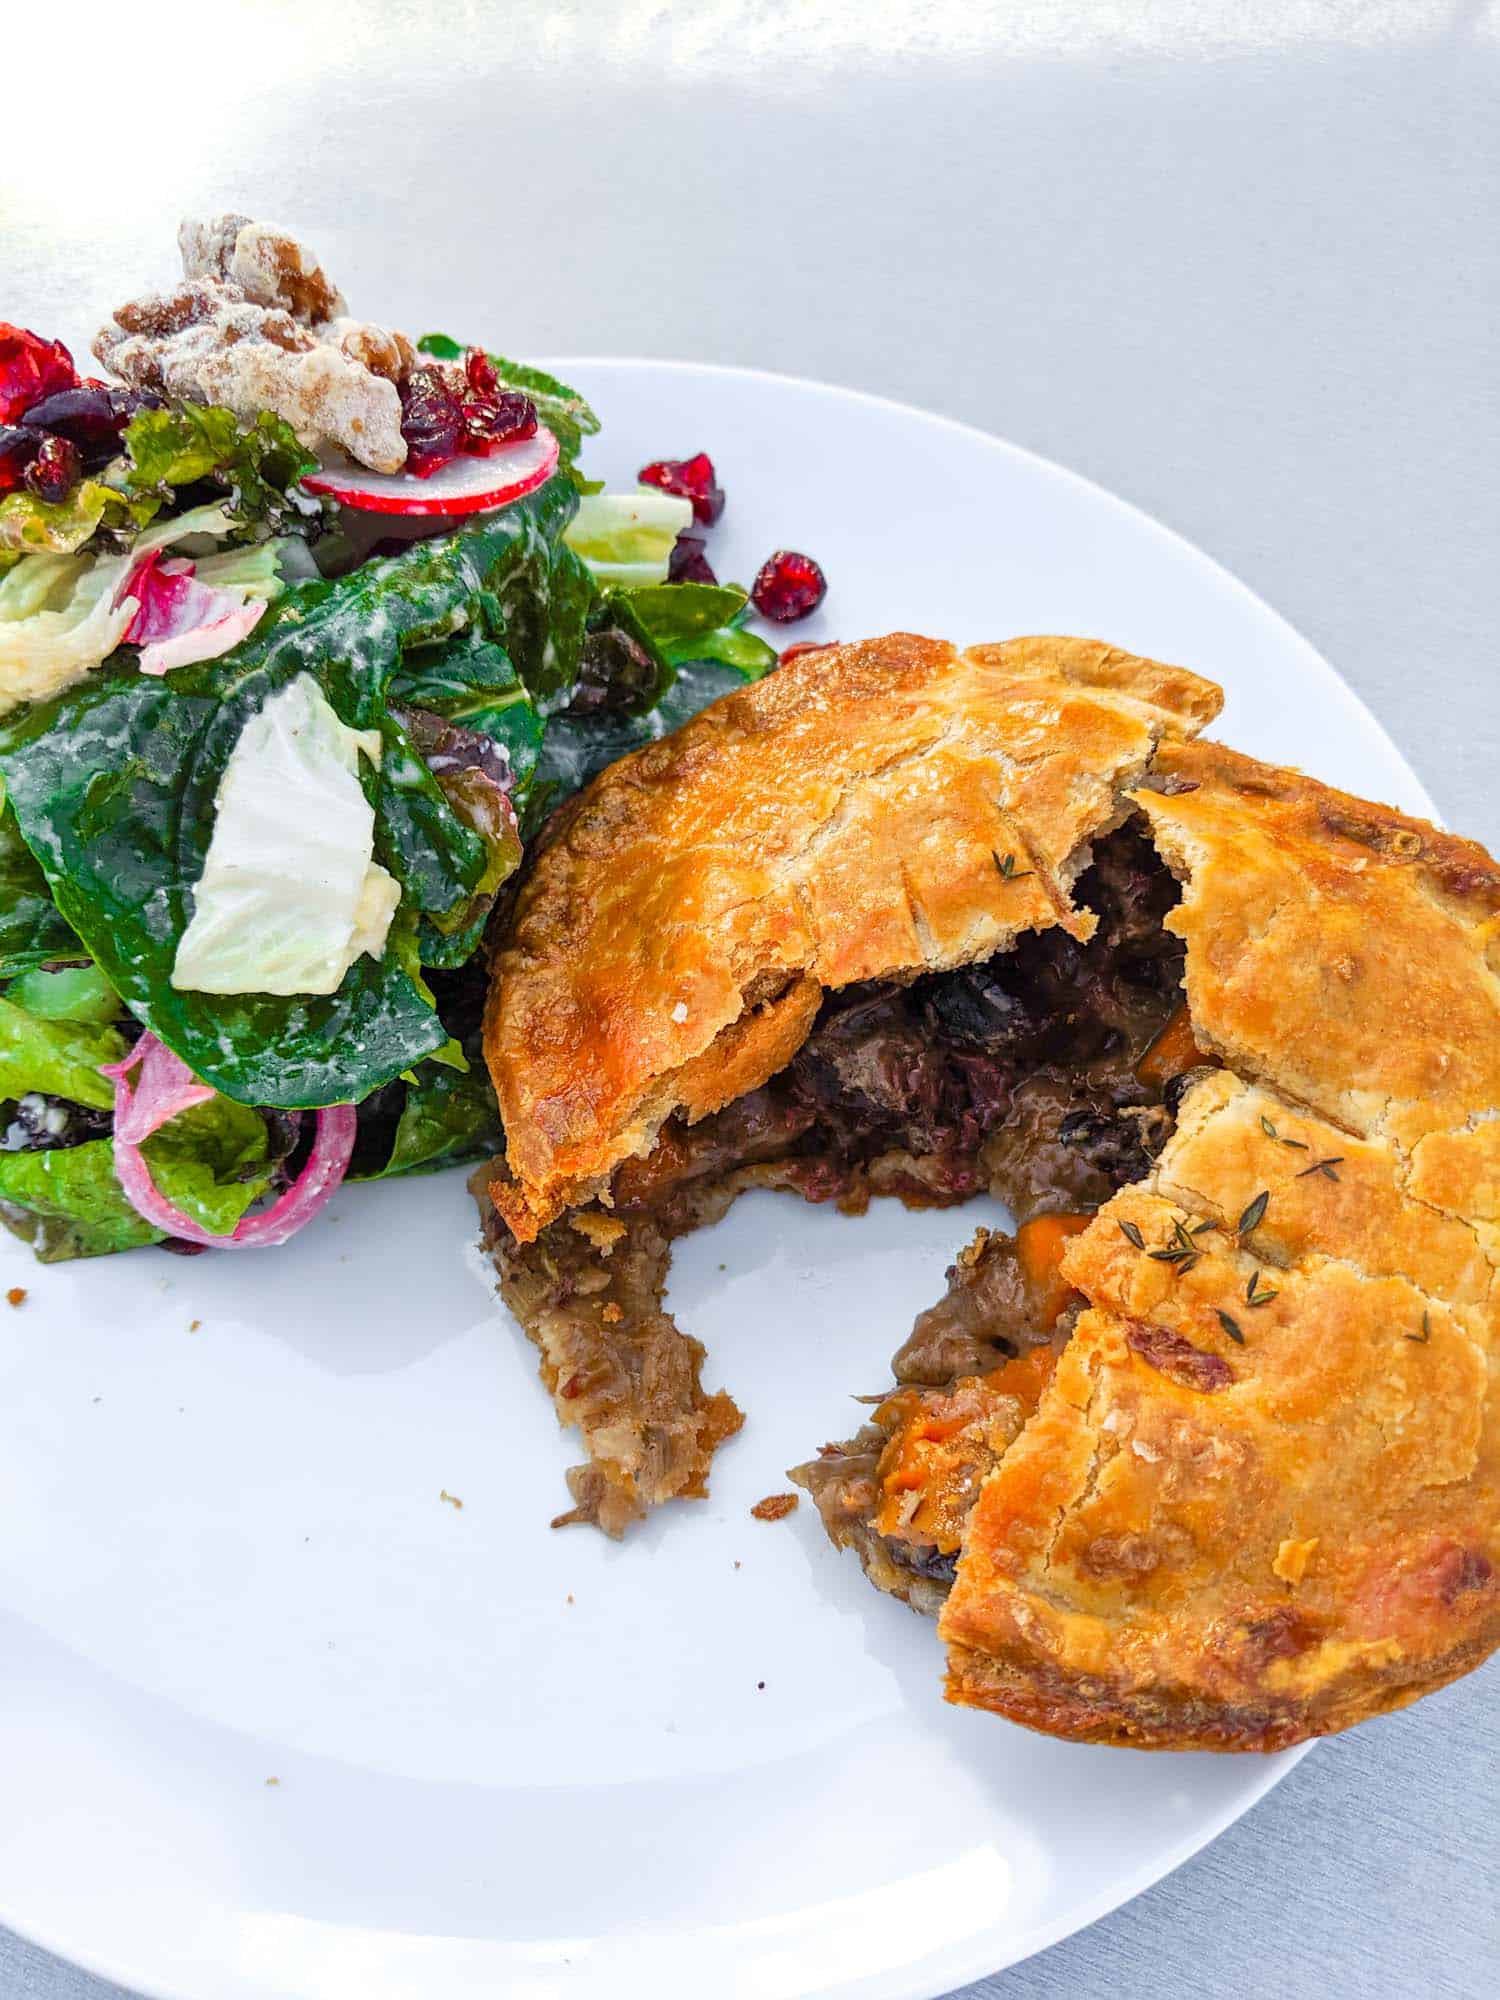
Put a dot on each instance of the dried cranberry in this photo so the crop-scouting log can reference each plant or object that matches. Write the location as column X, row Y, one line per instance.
column 492, row 420
column 18, row 448
column 91, row 416
column 30, row 368
column 687, row 563
column 788, row 586
column 55, row 470
column 431, row 421
column 690, row 479
column 479, row 373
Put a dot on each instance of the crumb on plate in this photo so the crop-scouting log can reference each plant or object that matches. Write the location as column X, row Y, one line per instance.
column 775, row 1507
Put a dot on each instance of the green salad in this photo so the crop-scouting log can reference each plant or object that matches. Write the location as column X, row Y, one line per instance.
column 275, row 728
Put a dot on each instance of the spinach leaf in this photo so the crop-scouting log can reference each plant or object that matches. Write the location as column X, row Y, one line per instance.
column 443, row 1118
column 113, row 788
column 577, row 748
column 33, row 931
column 470, row 680
column 694, row 621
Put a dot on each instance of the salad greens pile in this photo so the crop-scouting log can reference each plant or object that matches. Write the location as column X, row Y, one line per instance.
column 403, row 721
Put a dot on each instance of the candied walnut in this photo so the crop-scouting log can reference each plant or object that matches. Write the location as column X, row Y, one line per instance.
column 207, row 247
column 380, row 349
column 269, row 267
column 257, row 325
column 158, row 314
column 251, row 359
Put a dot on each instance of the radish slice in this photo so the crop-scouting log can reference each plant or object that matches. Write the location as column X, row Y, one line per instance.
column 465, row 485
column 167, row 1086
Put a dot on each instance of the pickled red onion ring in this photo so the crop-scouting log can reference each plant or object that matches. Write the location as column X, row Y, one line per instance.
column 167, row 1086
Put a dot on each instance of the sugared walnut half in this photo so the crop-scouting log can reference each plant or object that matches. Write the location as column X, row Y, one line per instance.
column 257, row 325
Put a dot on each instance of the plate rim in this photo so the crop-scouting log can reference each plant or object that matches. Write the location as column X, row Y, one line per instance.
column 973, row 1959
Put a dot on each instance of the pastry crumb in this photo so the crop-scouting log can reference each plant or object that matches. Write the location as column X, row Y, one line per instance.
column 16, row 1296
column 570, row 1597
column 194, row 1324
column 775, row 1507
column 1292, row 1559
column 273, row 1781
column 611, row 1312
column 452, row 1500
column 736, row 1562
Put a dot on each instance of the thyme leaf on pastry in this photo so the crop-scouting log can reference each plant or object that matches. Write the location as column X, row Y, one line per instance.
column 1175, row 1254
column 1230, row 1326
column 1254, row 1214
column 1008, row 869
column 1271, row 1133
column 1324, row 1167
column 1132, row 1235
column 1255, row 1295
column 1424, row 1336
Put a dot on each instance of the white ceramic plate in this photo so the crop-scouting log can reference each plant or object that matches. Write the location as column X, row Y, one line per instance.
column 711, row 1760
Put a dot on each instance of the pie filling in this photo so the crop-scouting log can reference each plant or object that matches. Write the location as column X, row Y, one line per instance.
column 1047, row 1075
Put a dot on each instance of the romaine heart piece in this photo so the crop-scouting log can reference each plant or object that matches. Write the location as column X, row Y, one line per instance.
column 466, row 485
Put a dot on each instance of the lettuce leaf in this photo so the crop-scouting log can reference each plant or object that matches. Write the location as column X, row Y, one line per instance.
column 60, row 1058
column 55, row 527
column 211, row 1161
column 113, row 788
column 67, row 1203
column 626, row 538
column 72, row 993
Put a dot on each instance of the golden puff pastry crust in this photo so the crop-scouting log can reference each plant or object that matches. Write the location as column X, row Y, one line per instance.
column 874, row 810
column 1260, row 1500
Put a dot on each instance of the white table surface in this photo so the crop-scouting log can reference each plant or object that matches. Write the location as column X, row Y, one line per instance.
column 1237, row 262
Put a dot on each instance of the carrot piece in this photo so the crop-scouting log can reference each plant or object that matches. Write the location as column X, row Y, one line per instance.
column 1173, row 1051
column 1039, row 1247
